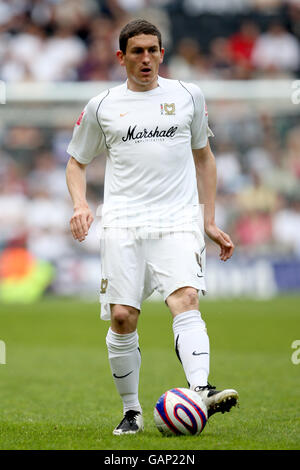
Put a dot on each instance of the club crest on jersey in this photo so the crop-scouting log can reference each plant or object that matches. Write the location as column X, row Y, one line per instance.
column 167, row 109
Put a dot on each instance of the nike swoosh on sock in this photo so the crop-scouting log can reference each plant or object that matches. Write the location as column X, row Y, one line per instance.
column 122, row 376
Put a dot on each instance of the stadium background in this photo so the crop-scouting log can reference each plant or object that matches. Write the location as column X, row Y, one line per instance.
column 56, row 388
column 55, row 55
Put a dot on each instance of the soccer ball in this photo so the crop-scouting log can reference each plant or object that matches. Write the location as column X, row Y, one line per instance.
column 180, row 411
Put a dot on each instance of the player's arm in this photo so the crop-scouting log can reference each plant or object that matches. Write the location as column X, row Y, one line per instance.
column 82, row 217
column 207, row 181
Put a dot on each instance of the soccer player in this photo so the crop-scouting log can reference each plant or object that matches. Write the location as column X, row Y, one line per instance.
column 159, row 168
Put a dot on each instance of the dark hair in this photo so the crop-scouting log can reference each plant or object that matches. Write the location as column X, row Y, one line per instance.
column 134, row 28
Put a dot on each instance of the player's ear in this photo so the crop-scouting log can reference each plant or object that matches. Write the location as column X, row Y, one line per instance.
column 120, row 56
column 162, row 53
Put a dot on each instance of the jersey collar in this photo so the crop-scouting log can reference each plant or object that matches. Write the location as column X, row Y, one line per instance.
column 155, row 91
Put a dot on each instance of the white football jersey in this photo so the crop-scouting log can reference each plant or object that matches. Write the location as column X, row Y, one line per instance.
column 150, row 177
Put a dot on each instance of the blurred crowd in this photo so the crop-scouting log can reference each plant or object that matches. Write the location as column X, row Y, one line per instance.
column 54, row 40
column 257, row 154
column 258, row 201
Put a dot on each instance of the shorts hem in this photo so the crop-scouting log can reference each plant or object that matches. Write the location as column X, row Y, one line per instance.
column 200, row 287
column 122, row 301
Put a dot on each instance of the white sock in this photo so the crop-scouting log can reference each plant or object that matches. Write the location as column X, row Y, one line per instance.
column 192, row 346
column 125, row 361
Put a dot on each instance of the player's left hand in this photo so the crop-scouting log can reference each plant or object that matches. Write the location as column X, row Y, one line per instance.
column 222, row 239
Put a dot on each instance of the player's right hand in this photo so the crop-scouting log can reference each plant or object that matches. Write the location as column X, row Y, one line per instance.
column 80, row 222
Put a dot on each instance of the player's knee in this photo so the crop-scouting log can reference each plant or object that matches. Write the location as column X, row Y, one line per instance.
column 121, row 314
column 124, row 318
column 190, row 297
column 183, row 299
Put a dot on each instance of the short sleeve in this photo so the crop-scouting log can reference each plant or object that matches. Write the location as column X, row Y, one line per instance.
column 199, row 128
column 88, row 140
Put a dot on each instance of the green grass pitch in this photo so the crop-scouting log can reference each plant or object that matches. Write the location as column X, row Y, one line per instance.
column 56, row 390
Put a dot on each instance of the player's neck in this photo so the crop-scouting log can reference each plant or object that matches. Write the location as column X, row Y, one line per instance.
column 140, row 87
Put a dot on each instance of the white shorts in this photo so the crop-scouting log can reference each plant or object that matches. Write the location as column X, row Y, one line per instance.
column 135, row 264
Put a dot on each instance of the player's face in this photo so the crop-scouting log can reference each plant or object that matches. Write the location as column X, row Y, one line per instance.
column 142, row 59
